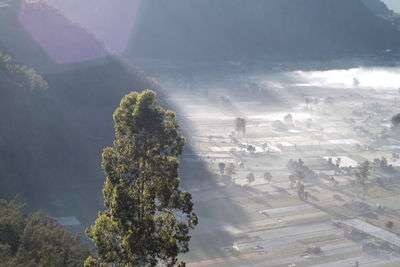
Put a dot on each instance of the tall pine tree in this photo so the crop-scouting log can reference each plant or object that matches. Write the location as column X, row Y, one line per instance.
column 147, row 217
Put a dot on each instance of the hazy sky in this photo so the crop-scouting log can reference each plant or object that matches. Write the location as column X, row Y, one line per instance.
column 393, row 4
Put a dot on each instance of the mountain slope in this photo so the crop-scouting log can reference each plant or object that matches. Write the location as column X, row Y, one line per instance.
column 229, row 29
column 378, row 7
column 51, row 140
column 393, row 4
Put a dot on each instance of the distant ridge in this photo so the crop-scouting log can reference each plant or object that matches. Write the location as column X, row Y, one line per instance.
column 242, row 29
column 378, row 7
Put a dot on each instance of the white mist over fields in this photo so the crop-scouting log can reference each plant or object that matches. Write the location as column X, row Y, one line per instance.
column 372, row 78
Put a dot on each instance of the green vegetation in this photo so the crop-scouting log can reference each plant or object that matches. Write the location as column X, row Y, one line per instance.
column 148, row 218
column 21, row 88
column 389, row 225
column 19, row 76
column 51, row 138
column 36, row 240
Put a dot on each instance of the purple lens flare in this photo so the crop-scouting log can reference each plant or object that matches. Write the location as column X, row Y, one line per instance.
column 79, row 30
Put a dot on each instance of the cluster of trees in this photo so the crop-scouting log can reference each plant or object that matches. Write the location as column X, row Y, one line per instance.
column 36, row 240
column 293, row 165
column 297, row 183
column 20, row 76
column 297, row 177
column 147, row 217
column 287, row 121
column 336, row 166
column 279, row 126
column 389, row 225
column 226, row 172
column 251, row 177
column 363, row 171
column 51, row 142
column 382, row 164
column 362, row 174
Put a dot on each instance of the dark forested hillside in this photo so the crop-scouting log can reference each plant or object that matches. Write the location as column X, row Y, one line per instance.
column 56, row 120
column 378, row 7
column 229, row 29
column 36, row 239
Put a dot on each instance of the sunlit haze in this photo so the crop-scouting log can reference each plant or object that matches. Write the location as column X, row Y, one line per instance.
column 200, row 133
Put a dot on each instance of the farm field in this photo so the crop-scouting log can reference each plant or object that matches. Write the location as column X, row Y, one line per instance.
column 251, row 212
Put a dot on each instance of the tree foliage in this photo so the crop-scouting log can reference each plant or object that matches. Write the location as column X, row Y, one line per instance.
column 396, row 120
column 267, row 177
column 221, row 167
column 240, row 125
column 36, row 240
column 230, row 169
column 250, row 178
column 362, row 174
column 147, row 218
column 20, row 75
column 288, row 119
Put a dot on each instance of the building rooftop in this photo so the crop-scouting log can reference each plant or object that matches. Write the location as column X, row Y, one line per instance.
column 373, row 230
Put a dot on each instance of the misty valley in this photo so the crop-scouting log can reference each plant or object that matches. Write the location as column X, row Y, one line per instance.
column 199, row 133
